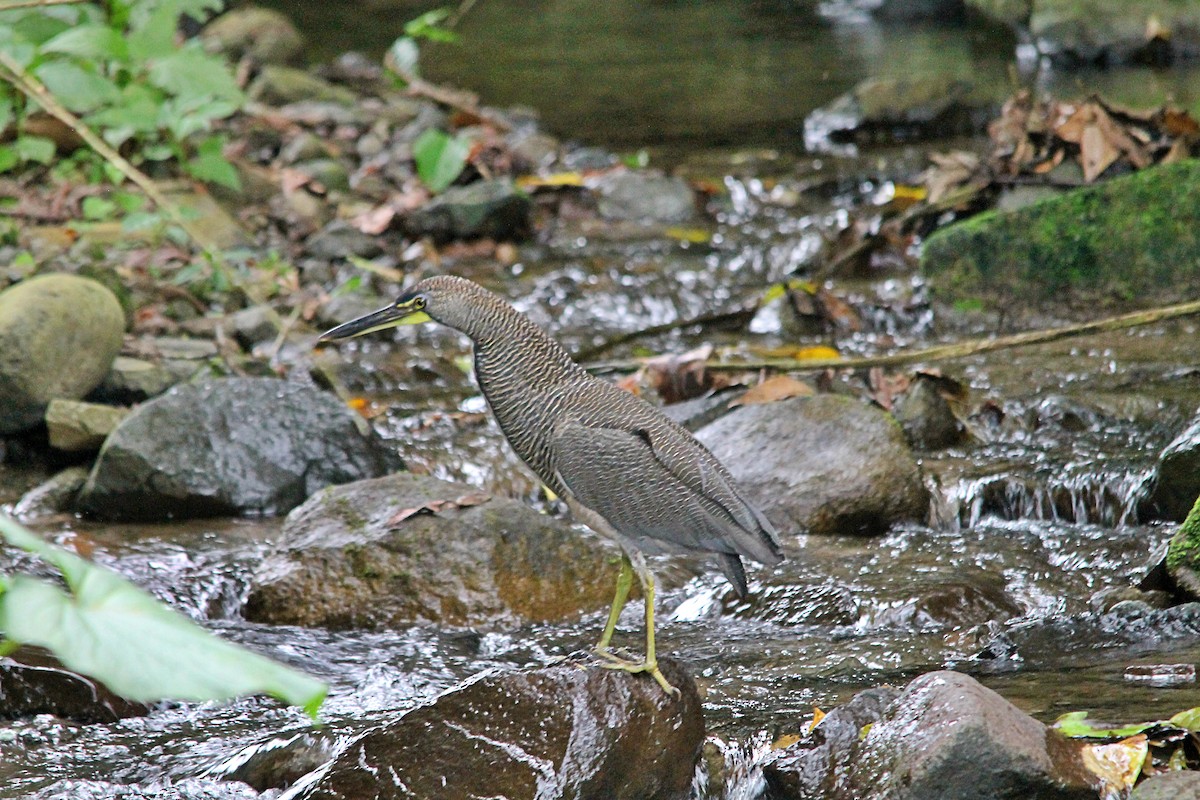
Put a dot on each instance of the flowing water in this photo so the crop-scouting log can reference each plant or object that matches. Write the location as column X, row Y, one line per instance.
column 1030, row 521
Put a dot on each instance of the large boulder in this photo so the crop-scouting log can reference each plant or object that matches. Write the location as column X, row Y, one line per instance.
column 360, row 555
column 229, row 446
column 494, row 209
column 1094, row 32
column 1176, row 483
column 822, row 464
column 59, row 335
column 1135, row 237
column 566, row 731
column 945, row 737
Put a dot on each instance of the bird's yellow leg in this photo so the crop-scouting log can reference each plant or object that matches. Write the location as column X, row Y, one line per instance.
column 624, row 584
column 650, row 664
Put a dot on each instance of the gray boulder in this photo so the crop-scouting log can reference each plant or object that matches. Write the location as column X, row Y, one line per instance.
column 1169, row 786
column 944, row 737
column 229, row 446
column 263, row 34
column 822, row 464
column 1176, row 478
column 645, row 197
column 556, row 732
column 346, row 560
column 485, row 209
column 59, row 335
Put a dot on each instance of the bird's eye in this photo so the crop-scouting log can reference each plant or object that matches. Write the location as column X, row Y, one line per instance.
column 419, row 302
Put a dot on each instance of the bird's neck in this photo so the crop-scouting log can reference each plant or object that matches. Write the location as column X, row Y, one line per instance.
column 522, row 358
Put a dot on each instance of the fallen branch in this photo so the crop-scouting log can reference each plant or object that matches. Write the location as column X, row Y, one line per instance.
column 37, row 3
column 939, row 352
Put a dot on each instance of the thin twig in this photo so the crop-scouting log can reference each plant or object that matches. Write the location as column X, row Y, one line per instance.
column 37, row 3
column 940, row 352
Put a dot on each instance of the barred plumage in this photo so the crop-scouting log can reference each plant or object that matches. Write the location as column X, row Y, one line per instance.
column 623, row 467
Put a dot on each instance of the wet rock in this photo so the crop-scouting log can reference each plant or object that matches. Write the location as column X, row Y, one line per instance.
column 59, row 335
column 821, row 464
column 1176, row 478
column 556, row 732
column 262, row 34
column 896, row 109
column 34, row 682
column 1132, row 237
column 53, row 496
column 328, row 172
column 645, row 197
column 339, row 239
column 1183, row 556
column 532, row 150
column 926, row 417
column 253, row 325
column 493, row 209
column 949, row 738
column 132, row 380
column 279, row 86
column 229, row 446
column 1105, row 600
column 278, row 763
column 814, row 766
column 343, row 563
column 81, row 427
column 1183, row 785
column 304, row 146
column 1144, row 31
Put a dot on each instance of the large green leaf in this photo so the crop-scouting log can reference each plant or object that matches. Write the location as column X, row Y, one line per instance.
column 194, row 75
column 75, row 87
column 93, row 41
column 440, row 158
column 1075, row 724
column 109, row 629
column 152, row 29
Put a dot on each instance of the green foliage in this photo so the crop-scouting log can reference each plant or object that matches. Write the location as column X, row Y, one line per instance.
column 107, row 628
column 121, row 69
column 440, row 157
column 405, row 52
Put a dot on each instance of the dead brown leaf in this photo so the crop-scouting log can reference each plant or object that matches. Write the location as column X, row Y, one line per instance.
column 682, row 377
column 885, row 388
column 375, row 221
column 775, row 388
column 436, row 506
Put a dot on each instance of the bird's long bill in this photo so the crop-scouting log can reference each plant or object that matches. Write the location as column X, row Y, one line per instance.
column 399, row 313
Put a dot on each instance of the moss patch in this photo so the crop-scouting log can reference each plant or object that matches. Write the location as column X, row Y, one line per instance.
column 1128, row 239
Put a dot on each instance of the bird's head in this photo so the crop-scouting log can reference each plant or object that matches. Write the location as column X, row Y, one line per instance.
column 447, row 299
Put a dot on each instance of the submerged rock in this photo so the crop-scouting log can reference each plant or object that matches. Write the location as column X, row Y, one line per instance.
column 59, row 335
column 821, row 464
column 229, row 446
column 565, row 731
column 1134, row 238
column 945, row 737
column 347, row 560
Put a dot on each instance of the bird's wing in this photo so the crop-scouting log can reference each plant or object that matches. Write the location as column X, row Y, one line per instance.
column 620, row 475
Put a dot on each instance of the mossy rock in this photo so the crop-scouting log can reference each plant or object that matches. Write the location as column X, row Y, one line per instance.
column 1183, row 555
column 1133, row 240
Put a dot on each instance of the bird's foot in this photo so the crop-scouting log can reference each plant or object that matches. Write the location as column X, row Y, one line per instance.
column 613, row 661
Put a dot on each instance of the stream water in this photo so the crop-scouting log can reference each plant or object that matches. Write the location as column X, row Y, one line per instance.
column 1030, row 521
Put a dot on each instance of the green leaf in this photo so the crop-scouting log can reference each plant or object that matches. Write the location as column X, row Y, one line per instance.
column 1188, row 720
column 96, row 42
column 152, row 30
column 1074, row 724
column 114, row 631
column 440, row 158
column 75, row 87
column 35, row 148
column 429, row 26
column 194, row 75
column 98, row 208
column 210, row 164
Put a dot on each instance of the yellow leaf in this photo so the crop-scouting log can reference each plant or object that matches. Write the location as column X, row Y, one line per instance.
column 552, row 181
column 786, row 740
column 690, row 235
column 818, row 715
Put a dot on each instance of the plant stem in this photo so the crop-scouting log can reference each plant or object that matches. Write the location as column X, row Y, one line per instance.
column 38, row 3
